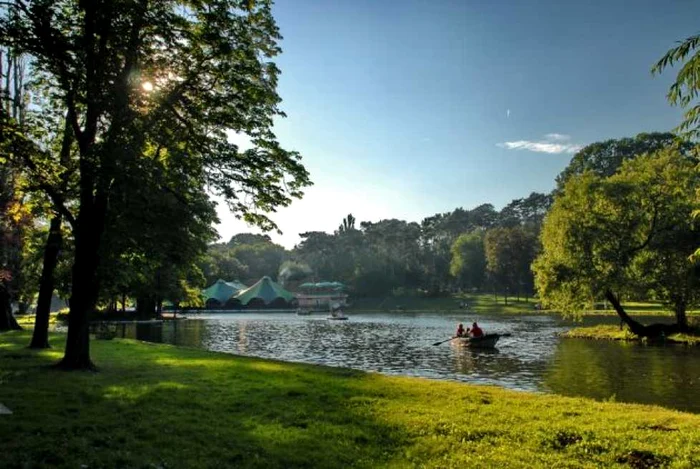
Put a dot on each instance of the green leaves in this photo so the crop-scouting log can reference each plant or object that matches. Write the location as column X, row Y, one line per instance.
column 687, row 85
column 630, row 232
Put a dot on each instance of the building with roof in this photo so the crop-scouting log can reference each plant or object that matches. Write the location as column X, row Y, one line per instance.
column 322, row 296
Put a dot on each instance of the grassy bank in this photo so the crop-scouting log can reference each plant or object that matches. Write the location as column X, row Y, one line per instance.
column 163, row 406
column 478, row 303
column 487, row 303
column 612, row 332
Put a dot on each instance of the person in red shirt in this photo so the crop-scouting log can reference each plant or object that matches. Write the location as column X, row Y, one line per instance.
column 460, row 330
column 476, row 331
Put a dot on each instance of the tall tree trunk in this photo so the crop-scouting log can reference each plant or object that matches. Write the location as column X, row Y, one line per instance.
column 145, row 306
column 54, row 244
column 85, row 287
column 681, row 317
column 637, row 328
column 40, row 337
column 7, row 319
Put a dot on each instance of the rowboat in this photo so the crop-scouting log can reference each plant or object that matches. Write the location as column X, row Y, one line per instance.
column 485, row 341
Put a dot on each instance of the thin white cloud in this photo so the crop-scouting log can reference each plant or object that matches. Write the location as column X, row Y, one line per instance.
column 557, row 137
column 540, row 147
column 552, row 143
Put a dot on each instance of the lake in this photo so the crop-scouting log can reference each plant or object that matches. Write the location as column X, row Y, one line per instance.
column 533, row 358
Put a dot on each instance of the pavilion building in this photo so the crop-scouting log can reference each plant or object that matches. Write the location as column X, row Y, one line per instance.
column 322, row 296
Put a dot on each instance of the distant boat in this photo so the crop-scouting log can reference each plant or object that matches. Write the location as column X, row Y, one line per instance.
column 485, row 341
column 337, row 316
column 303, row 312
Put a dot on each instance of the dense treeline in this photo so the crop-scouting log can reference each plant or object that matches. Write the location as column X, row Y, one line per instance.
column 399, row 257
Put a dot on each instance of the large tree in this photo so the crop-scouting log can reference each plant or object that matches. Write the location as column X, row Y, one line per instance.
column 167, row 80
column 468, row 263
column 509, row 254
column 630, row 232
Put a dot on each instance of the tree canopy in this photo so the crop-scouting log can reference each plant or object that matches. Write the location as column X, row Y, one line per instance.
column 152, row 92
column 626, row 233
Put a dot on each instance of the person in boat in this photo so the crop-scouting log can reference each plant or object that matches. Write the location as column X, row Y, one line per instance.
column 476, row 331
column 460, row 330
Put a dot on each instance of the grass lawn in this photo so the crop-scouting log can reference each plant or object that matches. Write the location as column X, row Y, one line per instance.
column 613, row 332
column 486, row 303
column 159, row 406
column 480, row 303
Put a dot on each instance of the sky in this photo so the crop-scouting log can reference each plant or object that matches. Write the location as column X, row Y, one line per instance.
column 403, row 109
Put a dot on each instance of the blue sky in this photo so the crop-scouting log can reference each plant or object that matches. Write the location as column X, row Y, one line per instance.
column 403, row 109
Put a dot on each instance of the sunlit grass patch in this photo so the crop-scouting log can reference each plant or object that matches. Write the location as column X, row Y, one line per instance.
column 27, row 320
column 612, row 332
column 607, row 332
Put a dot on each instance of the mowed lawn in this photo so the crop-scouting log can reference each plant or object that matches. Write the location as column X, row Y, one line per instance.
column 159, row 406
column 486, row 303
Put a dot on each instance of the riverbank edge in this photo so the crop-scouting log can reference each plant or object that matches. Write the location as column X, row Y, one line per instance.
column 613, row 332
column 484, row 303
column 154, row 404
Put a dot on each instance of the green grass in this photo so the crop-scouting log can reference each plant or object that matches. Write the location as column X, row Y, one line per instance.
column 613, row 332
column 480, row 303
column 487, row 304
column 164, row 406
column 27, row 320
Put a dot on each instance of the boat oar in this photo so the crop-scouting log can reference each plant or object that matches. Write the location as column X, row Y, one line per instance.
column 443, row 341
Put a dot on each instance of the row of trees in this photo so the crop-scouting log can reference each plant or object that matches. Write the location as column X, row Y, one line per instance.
column 475, row 249
column 126, row 139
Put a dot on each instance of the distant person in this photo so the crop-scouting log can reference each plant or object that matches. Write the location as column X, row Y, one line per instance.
column 476, row 331
column 460, row 330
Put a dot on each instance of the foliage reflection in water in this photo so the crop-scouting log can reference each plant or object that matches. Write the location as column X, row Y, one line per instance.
column 533, row 358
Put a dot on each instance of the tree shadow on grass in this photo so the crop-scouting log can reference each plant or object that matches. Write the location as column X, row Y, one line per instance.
column 161, row 406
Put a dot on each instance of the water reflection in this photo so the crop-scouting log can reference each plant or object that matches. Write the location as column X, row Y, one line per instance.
column 533, row 358
column 665, row 375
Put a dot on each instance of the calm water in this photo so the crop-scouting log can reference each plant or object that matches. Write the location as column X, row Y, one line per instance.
column 534, row 358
